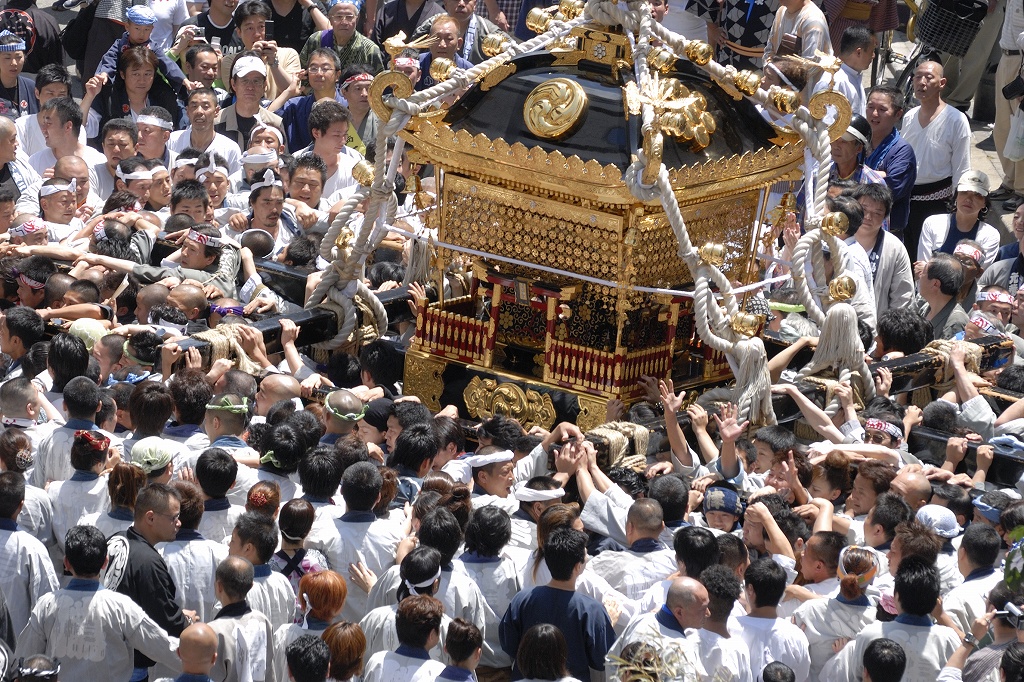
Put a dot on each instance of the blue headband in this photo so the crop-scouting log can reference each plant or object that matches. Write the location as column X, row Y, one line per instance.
column 988, row 511
column 11, row 47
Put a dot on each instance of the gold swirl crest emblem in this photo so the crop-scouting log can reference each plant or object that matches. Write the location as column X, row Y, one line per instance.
column 555, row 109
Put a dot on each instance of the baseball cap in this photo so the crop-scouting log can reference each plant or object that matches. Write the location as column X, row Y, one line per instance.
column 973, row 181
column 940, row 519
column 153, row 453
column 243, row 66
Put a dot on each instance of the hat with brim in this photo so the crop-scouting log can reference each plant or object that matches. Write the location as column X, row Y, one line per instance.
column 858, row 131
column 243, row 66
column 973, row 181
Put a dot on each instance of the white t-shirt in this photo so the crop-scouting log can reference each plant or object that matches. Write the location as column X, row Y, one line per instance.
column 224, row 146
column 169, row 13
column 30, row 136
column 942, row 148
column 685, row 23
column 43, row 160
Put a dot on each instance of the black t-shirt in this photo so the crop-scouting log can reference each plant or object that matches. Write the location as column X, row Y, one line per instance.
column 7, row 180
column 203, row 19
column 9, row 104
column 293, row 29
column 245, row 125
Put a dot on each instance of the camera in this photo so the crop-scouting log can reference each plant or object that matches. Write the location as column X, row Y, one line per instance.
column 1013, row 615
column 200, row 32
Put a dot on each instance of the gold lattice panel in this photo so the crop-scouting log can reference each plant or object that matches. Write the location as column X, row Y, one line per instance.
column 532, row 229
column 656, row 261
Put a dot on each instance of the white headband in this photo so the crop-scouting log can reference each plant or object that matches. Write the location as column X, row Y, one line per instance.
column 530, row 495
column 261, row 127
column 477, row 461
column 263, row 157
column 181, row 162
column 201, row 173
column 154, row 121
column 141, row 174
column 269, row 180
column 415, row 587
column 158, row 169
column 204, row 239
column 47, row 190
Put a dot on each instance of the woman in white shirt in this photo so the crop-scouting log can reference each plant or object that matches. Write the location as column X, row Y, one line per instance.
column 942, row 232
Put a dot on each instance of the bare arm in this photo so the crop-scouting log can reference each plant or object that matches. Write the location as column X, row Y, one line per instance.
column 781, row 361
column 699, row 426
column 729, row 430
column 814, row 415
column 672, row 403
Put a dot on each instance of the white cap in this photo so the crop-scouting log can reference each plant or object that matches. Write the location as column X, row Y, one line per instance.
column 973, row 181
column 940, row 519
column 243, row 66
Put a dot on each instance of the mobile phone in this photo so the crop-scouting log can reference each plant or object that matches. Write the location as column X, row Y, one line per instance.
column 268, row 28
column 215, row 41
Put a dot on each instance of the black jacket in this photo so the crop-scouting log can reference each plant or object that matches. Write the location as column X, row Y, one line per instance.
column 137, row 570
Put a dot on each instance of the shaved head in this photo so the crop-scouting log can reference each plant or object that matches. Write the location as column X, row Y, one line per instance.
column 197, row 649
column 688, row 601
column 913, row 487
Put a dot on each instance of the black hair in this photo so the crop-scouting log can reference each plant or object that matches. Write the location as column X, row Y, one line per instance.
column 311, row 161
column 309, row 427
column 309, row 657
column 301, row 251
column 723, row 590
column 418, row 566
column 81, row 398
column 957, row 499
column 320, row 472
column 768, row 580
column 67, row 112
column 189, row 190
column 325, row 113
column 191, row 393
column 632, row 482
column 462, row 639
column 383, row 363
column 890, row 510
column 895, row 96
column 26, row 324
column 904, row 330
column 448, row 432
column 385, row 272
column 415, row 445
column 778, row 438
column 673, row 494
column 259, row 530
column 489, row 530
column 1012, row 662
column 1011, row 378
column 85, row 548
column 981, row 543
column 441, row 530
column 12, row 493
column 216, row 471
column 849, row 207
column 948, row 270
column 288, row 447
column 696, row 548
column 877, row 191
column 360, row 486
column 565, row 549
column 502, row 431
column 917, row 586
column 543, row 653
column 777, row 671
column 49, row 74
column 856, row 37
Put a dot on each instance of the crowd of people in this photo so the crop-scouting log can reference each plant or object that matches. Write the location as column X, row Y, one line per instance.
column 305, row 520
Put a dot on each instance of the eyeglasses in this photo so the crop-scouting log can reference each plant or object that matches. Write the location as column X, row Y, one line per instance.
column 876, row 438
column 320, row 69
column 172, row 517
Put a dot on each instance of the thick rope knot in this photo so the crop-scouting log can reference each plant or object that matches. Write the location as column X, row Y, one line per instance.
column 224, row 344
column 841, row 352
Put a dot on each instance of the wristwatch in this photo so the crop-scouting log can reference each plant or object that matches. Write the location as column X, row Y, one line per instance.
column 970, row 640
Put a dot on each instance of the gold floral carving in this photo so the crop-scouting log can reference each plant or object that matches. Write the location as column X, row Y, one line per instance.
column 496, row 75
column 423, row 379
column 592, row 413
column 555, row 109
column 486, row 397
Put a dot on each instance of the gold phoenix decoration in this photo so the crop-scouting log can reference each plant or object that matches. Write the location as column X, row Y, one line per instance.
column 555, row 109
column 486, row 398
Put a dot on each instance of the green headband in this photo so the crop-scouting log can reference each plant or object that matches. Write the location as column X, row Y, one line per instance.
column 227, row 406
column 124, row 349
column 786, row 307
column 343, row 416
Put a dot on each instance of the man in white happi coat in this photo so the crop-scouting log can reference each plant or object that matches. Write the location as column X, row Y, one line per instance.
column 255, row 539
column 419, row 624
column 216, row 472
column 93, row 630
column 646, row 561
column 245, row 639
column 24, row 562
column 976, row 559
column 358, row 535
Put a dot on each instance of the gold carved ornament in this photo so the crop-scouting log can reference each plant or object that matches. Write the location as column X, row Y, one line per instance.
column 819, row 104
column 485, row 398
column 555, row 109
column 423, row 378
column 842, row 288
column 835, row 224
column 592, row 412
column 400, row 85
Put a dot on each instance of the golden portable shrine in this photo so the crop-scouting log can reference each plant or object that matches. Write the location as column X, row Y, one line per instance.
column 578, row 288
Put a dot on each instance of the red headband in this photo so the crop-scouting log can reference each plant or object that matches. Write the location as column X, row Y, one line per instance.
column 98, row 443
column 356, row 79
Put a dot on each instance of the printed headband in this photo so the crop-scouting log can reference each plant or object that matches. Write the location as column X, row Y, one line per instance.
column 984, row 325
column 969, row 251
column 154, row 121
column 884, row 426
column 994, row 297
column 262, row 157
column 12, row 47
column 405, row 61
column 29, row 282
column 863, row 578
column 47, row 190
column 205, row 239
column 263, row 126
column 415, row 587
column 344, row 416
column 141, row 174
column 270, row 179
column 99, row 233
column 227, row 310
column 28, row 227
column 212, row 168
column 98, row 443
column 357, row 78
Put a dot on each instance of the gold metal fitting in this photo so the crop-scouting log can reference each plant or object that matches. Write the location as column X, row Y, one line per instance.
column 538, row 20
column 713, row 253
column 746, row 324
column 494, row 44
column 363, row 173
column 424, row 200
column 835, row 224
column 413, row 184
column 441, row 69
column 699, row 52
column 672, row 88
column 662, row 59
column 747, row 82
column 842, row 288
column 785, row 101
column 570, row 9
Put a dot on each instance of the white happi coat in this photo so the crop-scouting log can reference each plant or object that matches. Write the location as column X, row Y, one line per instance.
column 192, row 562
column 362, row 537
column 772, row 639
column 53, row 457
column 927, row 647
column 285, row 635
column 217, row 525
column 646, row 628
column 633, row 573
column 725, row 659
column 499, row 583
column 273, row 596
column 36, row 517
column 71, row 500
column 391, row 666
column 27, row 573
column 826, row 620
column 94, row 633
column 967, row 601
column 606, row 512
column 458, row 592
column 245, row 644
